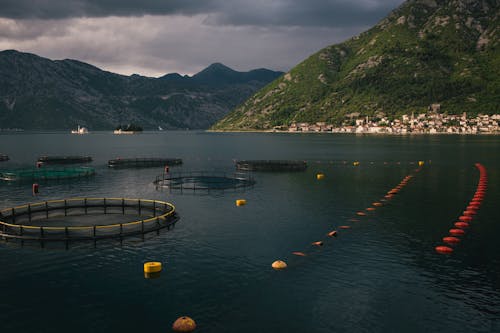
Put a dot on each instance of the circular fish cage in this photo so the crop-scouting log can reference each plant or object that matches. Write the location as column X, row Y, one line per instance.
column 271, row 165
column 203, row 181
column 81, row 219
column 3, row 158
column 46, row 174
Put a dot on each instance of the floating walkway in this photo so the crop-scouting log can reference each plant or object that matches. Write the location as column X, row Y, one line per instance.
column 271, row 165
column 143, row 162
column 46, row 174
column 64, row 159
column 35, row 221
column 203, row 181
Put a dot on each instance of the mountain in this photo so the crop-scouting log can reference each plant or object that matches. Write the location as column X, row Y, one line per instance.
column 425, row 52
column 39, row 93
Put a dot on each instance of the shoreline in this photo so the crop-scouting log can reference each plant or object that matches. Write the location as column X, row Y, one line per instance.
column 347, row 133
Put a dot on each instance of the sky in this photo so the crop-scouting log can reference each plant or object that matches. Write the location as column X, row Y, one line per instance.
column 155, row 37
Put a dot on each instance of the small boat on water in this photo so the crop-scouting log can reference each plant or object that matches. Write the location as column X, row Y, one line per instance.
column 80, row 130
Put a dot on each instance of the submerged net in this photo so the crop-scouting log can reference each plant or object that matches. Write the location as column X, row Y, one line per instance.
column 46, row 173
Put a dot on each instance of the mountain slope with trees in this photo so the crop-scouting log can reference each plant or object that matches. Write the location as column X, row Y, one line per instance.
column 425, row 52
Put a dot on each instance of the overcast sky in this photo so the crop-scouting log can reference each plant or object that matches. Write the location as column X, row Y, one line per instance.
column 154, row 37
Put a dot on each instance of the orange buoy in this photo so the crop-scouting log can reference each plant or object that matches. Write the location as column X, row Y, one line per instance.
column 184, row 324
column 345, row 227
column 388, row 196
column 451, row 240
column 370, row 209
column 353, row 220
column 332, row 233
column 465, row 218
column 300, row 254
column 318, row 243
column 361, row 213
column 469, row 212
column 377, row 204
column 279, row 264
column 461, row 225
column 444, row 249
column 457, row 232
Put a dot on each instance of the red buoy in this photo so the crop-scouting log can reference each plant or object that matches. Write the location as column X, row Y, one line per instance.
column 34, row 188
column 345, row 227
column 451, row 240
column 300, row 254
column 332, row 233
column 457, row 232
column 370, row 209
column 318, row 243
column 465, row 218
column 461, row 225
column 361, row 213
column 444, row 249
column 469, row 212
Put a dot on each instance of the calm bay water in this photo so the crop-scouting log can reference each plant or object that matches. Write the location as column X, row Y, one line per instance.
column 382, row 275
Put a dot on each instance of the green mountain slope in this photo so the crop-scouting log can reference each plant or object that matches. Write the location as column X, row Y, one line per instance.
column 424, row 52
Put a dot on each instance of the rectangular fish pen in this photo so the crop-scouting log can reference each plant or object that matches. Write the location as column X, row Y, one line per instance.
column 64, row 159
column 143, row 162
column 271, row 165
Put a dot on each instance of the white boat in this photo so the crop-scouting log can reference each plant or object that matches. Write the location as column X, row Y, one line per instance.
column 80, row 130
column 159, row 128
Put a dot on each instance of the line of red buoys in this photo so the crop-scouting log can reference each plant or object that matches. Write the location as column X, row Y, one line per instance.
column 468, row 215
column 360, row 214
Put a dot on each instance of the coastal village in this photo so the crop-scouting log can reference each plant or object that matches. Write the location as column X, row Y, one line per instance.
column 431, row 122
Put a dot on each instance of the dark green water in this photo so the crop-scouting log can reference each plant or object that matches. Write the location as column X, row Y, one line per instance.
column 382, row 275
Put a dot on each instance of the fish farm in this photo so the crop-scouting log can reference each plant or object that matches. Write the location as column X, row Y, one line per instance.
column 143, row 162
column 64, row 159
column 64, row 220
column 46, row 174
column 271, row 165
column 194, row 181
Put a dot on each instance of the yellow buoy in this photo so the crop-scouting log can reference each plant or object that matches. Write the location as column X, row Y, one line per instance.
column 355, row 163
column 421, row 163
column 279, row 264
column 152, row 267
column 184, row 324
column 320, row 176
column 241, row 202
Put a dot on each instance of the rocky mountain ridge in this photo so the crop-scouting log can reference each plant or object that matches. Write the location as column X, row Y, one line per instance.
column 39, row 93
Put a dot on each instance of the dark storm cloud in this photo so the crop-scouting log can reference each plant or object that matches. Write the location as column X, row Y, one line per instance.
column 226, row 12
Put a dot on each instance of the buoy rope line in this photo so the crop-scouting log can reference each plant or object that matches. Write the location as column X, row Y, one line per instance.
column 370, row 163
column 467, row 216
column 162, row 215
column 280, row 264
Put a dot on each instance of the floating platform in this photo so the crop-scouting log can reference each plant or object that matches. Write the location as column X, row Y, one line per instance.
column 271, row 165
column 64, row 159
column 61, row 220
column 143, row 162
column 46, row 174
column 203, row 181
column 3, row 158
